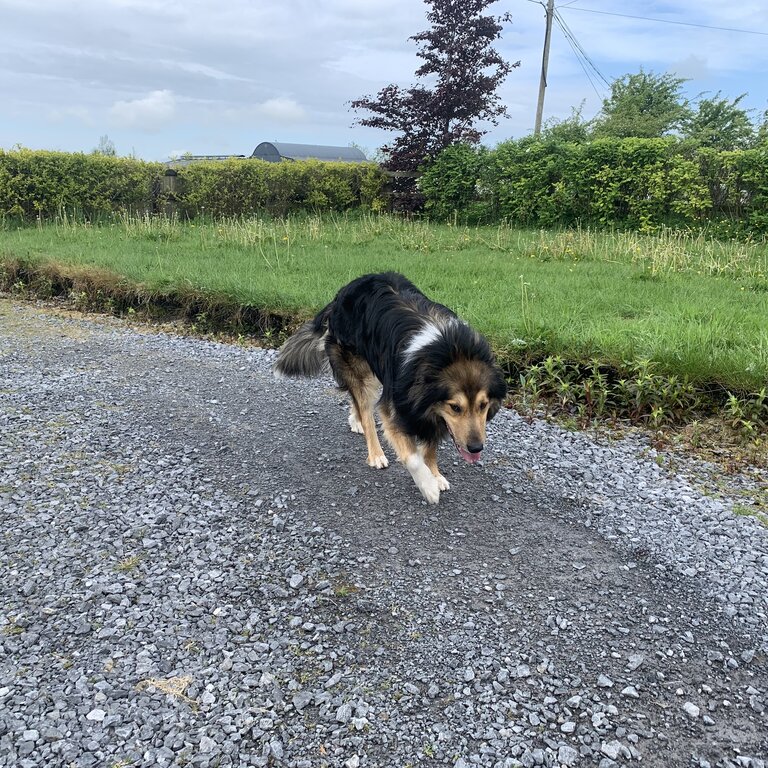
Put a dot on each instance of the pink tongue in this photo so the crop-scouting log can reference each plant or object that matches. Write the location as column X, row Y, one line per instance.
column 470, row 458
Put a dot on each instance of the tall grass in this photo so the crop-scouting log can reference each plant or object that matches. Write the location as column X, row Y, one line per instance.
column 695, row 306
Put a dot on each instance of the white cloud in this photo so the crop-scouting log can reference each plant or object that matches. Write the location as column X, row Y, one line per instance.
column 240, row 71
column 66, row 113
column 282, row 110
column 692, row 67
column 148, row 113
column 201, row 69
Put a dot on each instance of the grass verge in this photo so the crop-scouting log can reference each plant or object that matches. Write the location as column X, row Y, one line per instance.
column 658, row 328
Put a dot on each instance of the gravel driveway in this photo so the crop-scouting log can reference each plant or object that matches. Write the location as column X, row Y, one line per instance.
column 199, row 569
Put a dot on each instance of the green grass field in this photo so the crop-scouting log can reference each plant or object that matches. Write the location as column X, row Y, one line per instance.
column 694, row 306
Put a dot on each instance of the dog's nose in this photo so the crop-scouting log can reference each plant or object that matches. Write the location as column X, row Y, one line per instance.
column 475, row 447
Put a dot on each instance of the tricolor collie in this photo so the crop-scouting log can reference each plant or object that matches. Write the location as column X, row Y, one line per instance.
column 437, row 375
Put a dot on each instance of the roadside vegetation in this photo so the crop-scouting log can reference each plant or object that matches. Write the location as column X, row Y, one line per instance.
column 654, row 328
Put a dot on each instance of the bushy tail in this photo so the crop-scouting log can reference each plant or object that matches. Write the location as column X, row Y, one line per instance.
column 303, row 355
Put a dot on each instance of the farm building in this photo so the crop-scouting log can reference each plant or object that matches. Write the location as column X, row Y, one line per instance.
column 277, row 151
column 180, row 162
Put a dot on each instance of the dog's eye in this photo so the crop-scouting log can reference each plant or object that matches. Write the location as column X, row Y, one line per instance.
column 455, row 408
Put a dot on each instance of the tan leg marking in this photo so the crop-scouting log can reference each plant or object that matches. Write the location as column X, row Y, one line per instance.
column 364, row 393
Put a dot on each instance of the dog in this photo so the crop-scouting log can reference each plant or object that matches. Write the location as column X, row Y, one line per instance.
column 437, row 376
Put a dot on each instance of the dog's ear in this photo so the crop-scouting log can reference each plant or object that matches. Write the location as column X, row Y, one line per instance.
column 426, row 397
column 432, row 412
column 497, row 393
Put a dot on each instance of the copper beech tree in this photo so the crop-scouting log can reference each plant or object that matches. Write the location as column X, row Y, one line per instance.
column 457, row 88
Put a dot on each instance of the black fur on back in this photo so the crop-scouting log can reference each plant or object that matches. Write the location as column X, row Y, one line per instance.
column 375, row 317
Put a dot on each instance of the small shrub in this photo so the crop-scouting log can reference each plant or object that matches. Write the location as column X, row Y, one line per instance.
column 748, row 414
column 595, row 392
column 454, row 187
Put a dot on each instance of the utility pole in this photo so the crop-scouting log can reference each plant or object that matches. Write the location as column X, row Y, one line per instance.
column 544, row 65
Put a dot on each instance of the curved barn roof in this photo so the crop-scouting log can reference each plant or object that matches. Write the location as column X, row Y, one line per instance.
column 275, row 151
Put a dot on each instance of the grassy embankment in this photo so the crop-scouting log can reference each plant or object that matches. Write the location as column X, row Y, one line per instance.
column 697, row 308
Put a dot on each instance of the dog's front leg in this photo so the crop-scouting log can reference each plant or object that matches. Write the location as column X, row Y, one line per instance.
column 411, row 455
column 430, row 459
column 425, row 481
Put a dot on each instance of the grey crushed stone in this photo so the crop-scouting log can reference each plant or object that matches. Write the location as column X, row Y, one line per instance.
column 200, row 569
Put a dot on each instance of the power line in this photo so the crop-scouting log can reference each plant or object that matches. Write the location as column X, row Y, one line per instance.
column 577, row 54
column 578, row 48
column 668, row 21
column 581, row 55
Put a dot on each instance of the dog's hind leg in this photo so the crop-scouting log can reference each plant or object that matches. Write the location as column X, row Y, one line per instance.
column 355, row 376
column 354, row 418
column 364, row 394
column 412, row 456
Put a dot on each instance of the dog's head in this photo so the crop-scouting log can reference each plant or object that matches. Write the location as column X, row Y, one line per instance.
column 472, row 392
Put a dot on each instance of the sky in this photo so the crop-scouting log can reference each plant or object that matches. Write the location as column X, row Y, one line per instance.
column 162, row 78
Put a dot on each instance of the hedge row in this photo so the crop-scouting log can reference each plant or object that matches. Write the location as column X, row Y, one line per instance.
column 235, row 187
column 46, row 184
column 39, row 184
column 636, row 183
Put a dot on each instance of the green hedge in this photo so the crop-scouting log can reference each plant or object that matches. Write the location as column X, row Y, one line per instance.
column 40, row 184
column 236, row 187
column 46, row 184
column 636, row 183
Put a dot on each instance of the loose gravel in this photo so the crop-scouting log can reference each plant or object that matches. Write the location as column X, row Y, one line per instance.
column 200, row 570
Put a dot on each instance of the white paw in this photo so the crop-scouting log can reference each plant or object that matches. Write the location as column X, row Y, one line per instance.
column 354, row 423
column 378, row 462
column 425, row 481
column 442, row 483
column 430, row 490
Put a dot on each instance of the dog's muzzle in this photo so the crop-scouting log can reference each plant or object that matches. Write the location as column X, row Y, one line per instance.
column 472, row 453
